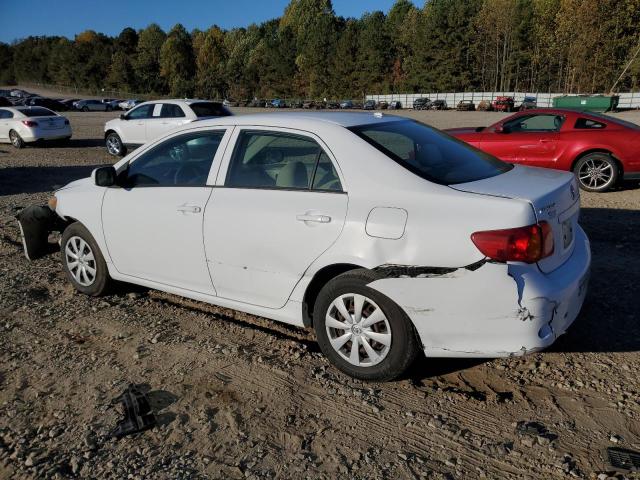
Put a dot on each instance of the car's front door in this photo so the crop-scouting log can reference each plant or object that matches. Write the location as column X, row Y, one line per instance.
column 134, row 128
column 278, row 205
column 153, row 221
column 527, row 139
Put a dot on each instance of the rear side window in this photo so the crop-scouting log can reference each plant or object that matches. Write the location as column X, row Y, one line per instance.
column 145, row 111
column 429, row 153
column 6, row 114
column 170, row 110
column 588, row 124
column 209, row 109
column 36, row 112
column 277, row 160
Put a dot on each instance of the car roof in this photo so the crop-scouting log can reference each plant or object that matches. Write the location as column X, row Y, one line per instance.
column 179, row 101
column 304, row 119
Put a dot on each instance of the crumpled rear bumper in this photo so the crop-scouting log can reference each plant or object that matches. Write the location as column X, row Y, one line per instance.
column 496, row 309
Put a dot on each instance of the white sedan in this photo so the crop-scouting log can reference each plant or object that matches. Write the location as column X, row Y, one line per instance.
column 149, row 120
column 20, row 125
column 384, row 235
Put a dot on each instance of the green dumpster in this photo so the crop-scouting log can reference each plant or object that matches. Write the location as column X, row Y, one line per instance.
column 590, row 103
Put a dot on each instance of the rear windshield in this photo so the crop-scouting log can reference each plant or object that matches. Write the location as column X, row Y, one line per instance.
column 209, row 109
column 430, row 153
column 35, row 111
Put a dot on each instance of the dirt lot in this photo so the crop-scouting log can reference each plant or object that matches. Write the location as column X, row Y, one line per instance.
column 242, row 397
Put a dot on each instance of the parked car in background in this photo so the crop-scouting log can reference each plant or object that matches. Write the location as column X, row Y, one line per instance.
column 346, row 104
column 598, row 149
column 383, row 105
column 91, row 106
column 150, row 120
column 503, row 104
column 369, row 105
column 49, row 103
column 295, row 104
column 465, row 106
column 308, row 104
column 529, row 103
column 331, row 105
column 128, row 104
column 422, row 103
column 228, row 102
column 4, row 102
column 21, row 125
column 484, row 106
column 395, row 105
column 438, row 105
column 16, row 92
column 293, row 233
column 277, row 103
column 68, row 102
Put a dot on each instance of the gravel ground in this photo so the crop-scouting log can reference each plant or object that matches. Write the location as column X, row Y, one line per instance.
column 242, row 397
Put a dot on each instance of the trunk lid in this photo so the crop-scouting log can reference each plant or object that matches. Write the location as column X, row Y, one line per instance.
column 554, row 196
column 50, row 123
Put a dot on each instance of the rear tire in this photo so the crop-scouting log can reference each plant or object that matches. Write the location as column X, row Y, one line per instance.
column 596, row 172
column 114, row 145
column 83, row 262
column 16, row 139
column 385, row 348
column 85, row 109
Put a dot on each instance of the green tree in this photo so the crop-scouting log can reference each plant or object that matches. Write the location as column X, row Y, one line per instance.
column 7, row 76
column 211, row 64
column 177, row 62
column 147, row 60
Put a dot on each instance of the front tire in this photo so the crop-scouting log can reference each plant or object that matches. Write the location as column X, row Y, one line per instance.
column 16, row 139
column 596, row 172
column 114, row 145
column 83, row 262
column 361, row 331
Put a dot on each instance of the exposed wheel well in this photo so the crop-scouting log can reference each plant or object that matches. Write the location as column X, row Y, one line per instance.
column 106, row 134
column 599, row 150
column 318, row 281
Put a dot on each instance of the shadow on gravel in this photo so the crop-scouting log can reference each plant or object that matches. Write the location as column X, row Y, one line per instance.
column 16, row 180
column 79, row 143
column 159, row 400
column 609, row 318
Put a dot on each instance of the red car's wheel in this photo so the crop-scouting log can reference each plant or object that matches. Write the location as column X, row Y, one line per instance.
column 596, row 172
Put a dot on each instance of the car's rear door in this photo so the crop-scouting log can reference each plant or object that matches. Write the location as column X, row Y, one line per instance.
column 134, row 129
column 153, row 222
column 166, row 117
column 278, row 205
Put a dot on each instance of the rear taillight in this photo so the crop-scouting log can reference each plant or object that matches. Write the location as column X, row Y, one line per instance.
column 29, row 123
column 528, row 244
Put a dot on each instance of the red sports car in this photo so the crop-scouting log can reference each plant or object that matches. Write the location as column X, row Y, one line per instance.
column 598, row 148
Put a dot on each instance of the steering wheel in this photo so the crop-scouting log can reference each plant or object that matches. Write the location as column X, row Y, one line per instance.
column 186, row 174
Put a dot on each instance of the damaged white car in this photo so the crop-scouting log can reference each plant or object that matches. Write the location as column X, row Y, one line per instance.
column 384, row 235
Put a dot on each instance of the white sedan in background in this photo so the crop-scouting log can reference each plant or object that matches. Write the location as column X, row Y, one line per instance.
column 20, row 125
column 386, row 236
column 149, row 120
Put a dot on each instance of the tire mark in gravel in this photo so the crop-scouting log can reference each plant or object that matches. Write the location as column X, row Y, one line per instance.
column 346, row 416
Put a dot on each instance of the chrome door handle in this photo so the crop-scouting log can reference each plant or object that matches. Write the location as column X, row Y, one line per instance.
column 189, row 209
column 313, row 218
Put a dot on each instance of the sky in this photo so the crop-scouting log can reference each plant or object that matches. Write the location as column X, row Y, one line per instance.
column 21, row 18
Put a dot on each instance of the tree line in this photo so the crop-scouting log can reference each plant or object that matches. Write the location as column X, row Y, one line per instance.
column 576, row 46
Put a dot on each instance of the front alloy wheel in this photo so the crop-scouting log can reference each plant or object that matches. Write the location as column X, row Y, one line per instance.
column 596, row 172
column 80, row 261
column 84, row 265
column 114, row 145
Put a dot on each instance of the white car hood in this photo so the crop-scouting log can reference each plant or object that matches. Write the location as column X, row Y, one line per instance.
column 82, row 182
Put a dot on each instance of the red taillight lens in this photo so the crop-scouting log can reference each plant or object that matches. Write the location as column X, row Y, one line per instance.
column 30, row 123
column 525, row 244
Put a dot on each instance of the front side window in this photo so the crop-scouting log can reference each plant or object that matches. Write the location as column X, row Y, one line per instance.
column 180, row 161
column 430, row 153
column 278, row 160
column 534, row 123
column 144, row 111
column 171, row 110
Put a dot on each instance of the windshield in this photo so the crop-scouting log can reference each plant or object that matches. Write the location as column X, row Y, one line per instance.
column 430, row 153
column 36, row 112
column 211, row 109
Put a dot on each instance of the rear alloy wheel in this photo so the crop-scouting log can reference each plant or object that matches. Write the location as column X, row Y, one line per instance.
column 114, row 145
column 15, row 139
column 361, row 331
column 85, row 109
column 596, row 172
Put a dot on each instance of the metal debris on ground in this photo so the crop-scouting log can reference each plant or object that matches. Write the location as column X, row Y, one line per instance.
column 138, row 415
column 622, row 459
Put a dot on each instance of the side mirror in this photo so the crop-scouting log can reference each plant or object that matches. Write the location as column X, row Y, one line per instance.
column 104, row 176
column 123, row 116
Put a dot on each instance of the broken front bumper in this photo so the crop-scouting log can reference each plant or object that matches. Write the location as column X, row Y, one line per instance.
column 495, row 310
